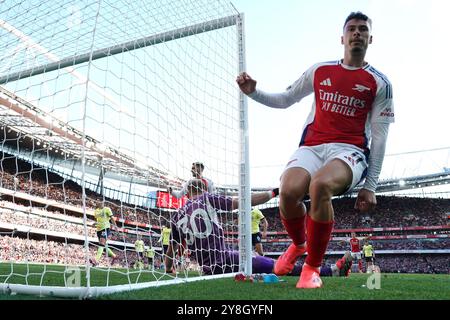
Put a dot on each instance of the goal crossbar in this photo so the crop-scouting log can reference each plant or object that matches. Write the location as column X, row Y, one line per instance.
column 124, row 47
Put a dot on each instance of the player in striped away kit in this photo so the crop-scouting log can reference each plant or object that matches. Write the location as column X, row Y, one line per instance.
column 351, row 113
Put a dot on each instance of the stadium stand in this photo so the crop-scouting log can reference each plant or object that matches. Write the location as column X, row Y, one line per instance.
column 409, row 234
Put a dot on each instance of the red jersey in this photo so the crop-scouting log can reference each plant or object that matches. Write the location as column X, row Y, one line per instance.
column 354, row 243
column 346, row 101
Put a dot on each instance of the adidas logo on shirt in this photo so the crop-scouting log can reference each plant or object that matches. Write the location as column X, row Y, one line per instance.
column 326, row 82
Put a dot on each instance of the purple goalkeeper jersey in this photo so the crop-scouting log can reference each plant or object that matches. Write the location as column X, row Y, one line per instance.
column 197, row 224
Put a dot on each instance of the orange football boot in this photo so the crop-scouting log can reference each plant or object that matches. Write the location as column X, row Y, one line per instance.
column 309, row 278
column 285, row 263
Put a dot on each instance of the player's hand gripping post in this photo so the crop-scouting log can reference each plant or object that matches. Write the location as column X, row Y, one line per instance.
column 246, row 83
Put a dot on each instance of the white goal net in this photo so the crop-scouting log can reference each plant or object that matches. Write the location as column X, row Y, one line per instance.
column 104, row 104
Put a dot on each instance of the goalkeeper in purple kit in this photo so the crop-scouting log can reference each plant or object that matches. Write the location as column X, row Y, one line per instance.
column 197, row 225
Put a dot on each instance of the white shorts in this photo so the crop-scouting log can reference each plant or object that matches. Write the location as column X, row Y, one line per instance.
column 313, row 158
column 356, row 255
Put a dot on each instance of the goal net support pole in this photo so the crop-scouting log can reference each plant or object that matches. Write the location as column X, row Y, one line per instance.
column 245, row 240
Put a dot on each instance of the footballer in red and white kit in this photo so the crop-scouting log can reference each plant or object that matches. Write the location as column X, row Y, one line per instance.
column 355, row 249
column 349, row 104
column 343, row 141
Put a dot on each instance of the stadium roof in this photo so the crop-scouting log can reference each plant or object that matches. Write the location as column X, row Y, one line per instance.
column 407, row 183
column 415, row 182
column 39, row 132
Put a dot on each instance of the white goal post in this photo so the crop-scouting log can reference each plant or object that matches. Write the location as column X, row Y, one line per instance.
column 105, row 104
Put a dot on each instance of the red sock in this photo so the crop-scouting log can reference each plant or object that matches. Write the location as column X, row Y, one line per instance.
column 318, row 236
column 360, row 265
column 295, row 229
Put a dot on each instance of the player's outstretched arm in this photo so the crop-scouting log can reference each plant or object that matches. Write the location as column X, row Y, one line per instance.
column 366, row 200
column 176, row 194
column 179, row 194
column 258, row 198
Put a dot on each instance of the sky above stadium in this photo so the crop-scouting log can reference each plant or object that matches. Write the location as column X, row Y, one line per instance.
column 410, row 46
column 156, row 107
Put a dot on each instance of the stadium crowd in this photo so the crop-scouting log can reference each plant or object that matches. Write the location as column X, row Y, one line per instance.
column 404, row 244
column 28, row 250
column 390, row 212
column 68, row 192
column 413, row 263
column 31, row 220
column 15, row 249
column 18, row 249
column 19, row 215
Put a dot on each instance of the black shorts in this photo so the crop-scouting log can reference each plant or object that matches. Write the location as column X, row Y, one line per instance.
column 256, row 238
column 103, row 233
column 369, row 259
column 165, row 247
column 140, row 254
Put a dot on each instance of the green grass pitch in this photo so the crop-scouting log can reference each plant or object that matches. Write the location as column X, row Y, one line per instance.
column 355, row 287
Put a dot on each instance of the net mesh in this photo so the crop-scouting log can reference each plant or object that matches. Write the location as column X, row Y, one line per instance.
column 106, row 104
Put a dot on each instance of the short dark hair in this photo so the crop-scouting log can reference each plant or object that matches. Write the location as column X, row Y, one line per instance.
column 199, row 164
column 359, row 16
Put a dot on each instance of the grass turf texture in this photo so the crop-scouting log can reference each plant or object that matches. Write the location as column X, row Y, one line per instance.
column 392, row 286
